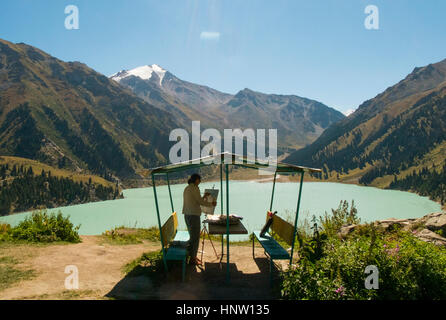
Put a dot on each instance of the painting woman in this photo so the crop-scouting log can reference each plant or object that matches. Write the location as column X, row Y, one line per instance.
column 192, row 202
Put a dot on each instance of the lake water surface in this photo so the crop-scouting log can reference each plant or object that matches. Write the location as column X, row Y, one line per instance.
column 248, row 199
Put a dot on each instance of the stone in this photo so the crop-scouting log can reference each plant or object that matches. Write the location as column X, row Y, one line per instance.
column 428, row 224
column 388, row 223
column 429, row 236
column 346, row 230
column 436, row 221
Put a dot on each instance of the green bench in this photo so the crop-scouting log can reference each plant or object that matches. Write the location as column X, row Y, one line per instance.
column 272, row 248
column 174, row 243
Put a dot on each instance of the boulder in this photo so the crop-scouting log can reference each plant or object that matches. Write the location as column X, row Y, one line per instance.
column 436, row 221
column 346, row 230
column 427, row 224
column 429, row 236
column 390, row 223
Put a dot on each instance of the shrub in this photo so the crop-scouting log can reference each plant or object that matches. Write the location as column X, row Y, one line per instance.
column 44, row 227
column 341, row 216
column 5, row 230
column 408, row 269
column 333, row 268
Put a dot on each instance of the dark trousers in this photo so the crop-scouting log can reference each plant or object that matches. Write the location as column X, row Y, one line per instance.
column 193, row 226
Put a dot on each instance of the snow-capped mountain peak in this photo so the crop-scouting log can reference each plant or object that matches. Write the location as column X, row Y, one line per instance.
column 143, row 72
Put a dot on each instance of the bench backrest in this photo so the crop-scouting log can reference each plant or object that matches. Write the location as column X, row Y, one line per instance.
column 283, row 229
column 169, row 229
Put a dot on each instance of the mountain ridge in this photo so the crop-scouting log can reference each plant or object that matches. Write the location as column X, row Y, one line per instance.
column 65, row 112
column 218, row 110
column 388, row 136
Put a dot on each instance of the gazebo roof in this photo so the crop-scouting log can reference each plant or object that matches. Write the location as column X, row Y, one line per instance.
column 221, row 158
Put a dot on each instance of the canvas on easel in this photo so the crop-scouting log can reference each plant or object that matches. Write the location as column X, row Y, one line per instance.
column 213, row 196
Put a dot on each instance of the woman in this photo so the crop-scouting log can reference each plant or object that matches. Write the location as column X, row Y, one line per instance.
column 192, row 201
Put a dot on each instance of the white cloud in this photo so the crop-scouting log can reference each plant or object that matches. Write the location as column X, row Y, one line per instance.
column 210, row 35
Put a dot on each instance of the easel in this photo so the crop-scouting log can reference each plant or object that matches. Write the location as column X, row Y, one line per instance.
column 203, row 233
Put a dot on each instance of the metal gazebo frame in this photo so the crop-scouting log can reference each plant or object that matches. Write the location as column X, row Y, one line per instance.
column 225, row 159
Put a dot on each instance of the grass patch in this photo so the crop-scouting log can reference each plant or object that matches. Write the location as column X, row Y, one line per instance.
column 76, row 294
column 8, row 260
column 66, row 295
column 125, row 236
column 150, row 260
column 10, row 274
column 149, row 264
column 19, row 243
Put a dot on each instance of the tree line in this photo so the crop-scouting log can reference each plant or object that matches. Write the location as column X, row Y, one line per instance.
column 23, row 190
column 426, row 182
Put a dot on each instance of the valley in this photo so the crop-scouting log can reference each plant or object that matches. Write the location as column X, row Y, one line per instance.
column 400, row 132
column 80, row 123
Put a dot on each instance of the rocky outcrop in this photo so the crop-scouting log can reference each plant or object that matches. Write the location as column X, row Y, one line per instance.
column 346, row 230
column 434, row 221
column 430, row 236
column 429, row 228
column 389, row 224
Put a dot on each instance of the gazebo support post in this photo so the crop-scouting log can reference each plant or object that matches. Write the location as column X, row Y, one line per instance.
column 221, row 204
column 297, row 215
column 227, row 224
column 159, row 222
column 221, row 188
column 272, row 195
column 170, row 192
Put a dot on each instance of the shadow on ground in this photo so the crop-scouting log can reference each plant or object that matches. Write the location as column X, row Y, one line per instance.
column 207, row 282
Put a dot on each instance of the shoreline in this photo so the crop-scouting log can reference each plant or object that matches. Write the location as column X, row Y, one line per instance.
column 280, row 179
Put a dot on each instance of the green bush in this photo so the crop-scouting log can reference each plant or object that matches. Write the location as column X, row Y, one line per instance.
column 44, row 227
column 408, row 269
column 339, row 217
column 333, row 268
column 5, row 230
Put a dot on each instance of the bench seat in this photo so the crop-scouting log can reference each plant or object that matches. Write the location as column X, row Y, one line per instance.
column 177, row 250
column 181, row 236
column 272, row 247
column 174, row 243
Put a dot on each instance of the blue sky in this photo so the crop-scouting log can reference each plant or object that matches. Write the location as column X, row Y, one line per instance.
column 318, row 49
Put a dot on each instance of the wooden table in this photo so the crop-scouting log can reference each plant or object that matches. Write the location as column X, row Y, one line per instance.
column 237, row 228
column 220, row 229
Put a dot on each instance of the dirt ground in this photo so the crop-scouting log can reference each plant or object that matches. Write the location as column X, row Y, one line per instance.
column 101, row 275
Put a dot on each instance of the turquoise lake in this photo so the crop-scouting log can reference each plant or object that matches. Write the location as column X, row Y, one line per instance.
column 248, row 199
